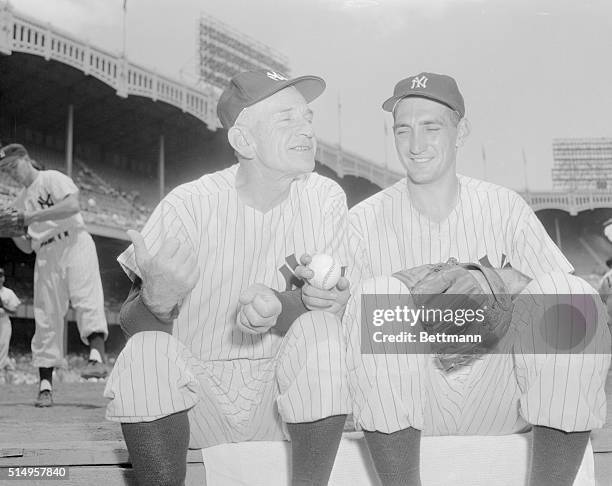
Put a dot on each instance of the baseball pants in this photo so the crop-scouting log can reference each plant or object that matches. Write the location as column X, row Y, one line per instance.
column 233, row 400
column 496, row 394
column 5, row 339
column 66, row 271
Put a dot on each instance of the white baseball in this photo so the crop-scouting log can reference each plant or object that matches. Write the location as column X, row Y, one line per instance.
column 91, row 202
column 326, row 271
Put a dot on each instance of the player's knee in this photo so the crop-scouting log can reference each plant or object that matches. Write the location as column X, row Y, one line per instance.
column 317, row 326
column 559, row 283
column 149, row 347
column 561, row 313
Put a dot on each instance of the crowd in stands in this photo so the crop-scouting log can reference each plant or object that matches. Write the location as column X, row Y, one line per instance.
column 101, row 203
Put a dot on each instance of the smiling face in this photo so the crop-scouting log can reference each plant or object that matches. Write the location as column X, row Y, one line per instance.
column 426, row 138
column 281, row 132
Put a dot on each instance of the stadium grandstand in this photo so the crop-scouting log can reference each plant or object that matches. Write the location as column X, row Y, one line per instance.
column 127, row 135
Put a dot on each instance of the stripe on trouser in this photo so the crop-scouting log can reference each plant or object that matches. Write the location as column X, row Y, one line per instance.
column 497, row 394
column 311, row 369
column 151, row 379
column 155, row 375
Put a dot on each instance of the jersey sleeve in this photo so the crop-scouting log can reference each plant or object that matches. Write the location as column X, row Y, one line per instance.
column 332, row 237
column 10, row 301
column 169, row 219
column 60, row 185
column 532, row 251
column 336, row 236
column 359, row 262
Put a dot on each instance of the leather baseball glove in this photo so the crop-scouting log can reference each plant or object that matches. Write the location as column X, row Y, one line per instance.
column 12, row 223
column 468, row 300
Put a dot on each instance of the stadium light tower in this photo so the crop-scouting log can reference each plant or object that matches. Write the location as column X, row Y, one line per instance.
column 224, row 52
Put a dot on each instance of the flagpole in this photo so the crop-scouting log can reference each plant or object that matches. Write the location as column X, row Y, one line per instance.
column 525, row 170
column 484, row 162
column 124, row 22
column 339, row 132
column 339, row 122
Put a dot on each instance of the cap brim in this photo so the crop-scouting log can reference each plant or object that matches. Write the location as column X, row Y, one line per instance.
column 310, row 87
column 389, row 104
column 7, row 160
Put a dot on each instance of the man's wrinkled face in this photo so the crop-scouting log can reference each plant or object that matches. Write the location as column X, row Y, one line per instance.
column 425, row 139
column 281, row 127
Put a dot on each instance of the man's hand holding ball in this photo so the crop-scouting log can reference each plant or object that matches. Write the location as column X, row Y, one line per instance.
column 324, row 288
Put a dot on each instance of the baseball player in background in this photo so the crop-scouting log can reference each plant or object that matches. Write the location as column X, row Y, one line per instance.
column 214, row 358
column 433, row 215
column 8, row 306
column 66, row 269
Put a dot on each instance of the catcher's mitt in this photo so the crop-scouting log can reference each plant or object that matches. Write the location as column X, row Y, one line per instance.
column 12, row 223
column 452, row 287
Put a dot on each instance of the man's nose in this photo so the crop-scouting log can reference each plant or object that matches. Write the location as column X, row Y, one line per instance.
column 417, row 142
column 306, row 128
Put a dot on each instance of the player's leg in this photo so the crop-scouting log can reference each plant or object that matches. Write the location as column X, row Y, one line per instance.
column 313, row 399
column 50, row 306
column 87, row 298
column 152, row 390
column 386, row 386
column 562, row 392
column 5, row 339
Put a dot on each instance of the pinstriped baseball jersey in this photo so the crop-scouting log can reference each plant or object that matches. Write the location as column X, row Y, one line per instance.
column 494, row 226
column 237, row 246
column 490, row 224
column 49, row 188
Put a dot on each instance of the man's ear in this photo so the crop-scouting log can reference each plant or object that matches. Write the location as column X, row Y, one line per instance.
column 241, row 141
column 463, row 130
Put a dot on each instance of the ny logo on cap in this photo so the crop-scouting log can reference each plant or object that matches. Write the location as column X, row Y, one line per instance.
column 2, row 154
column 419, row 82
column 274, row 75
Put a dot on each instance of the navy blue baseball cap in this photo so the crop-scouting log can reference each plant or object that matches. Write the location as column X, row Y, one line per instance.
column 11, row 152
column 250, row 87
column 436, row 87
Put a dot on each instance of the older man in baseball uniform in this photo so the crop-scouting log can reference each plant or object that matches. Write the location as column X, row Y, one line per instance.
column 429, row 217
column 66, row 269
column 213, row 359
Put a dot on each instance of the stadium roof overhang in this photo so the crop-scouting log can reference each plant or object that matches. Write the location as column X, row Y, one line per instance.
column 36, row 92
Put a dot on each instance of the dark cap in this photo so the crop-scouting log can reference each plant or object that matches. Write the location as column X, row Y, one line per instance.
column 246, row 89
column 11, row 152
column 436, row 87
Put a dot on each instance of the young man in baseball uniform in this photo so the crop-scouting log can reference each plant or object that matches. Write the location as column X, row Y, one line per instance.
column 66, row 269
column 8, row 306
column 433, row 215
column 213, row 359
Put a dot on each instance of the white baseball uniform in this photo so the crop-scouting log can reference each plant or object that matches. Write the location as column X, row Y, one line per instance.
column 497, row 393
column 231, row 380
column 66, row 270
column 10, row 302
